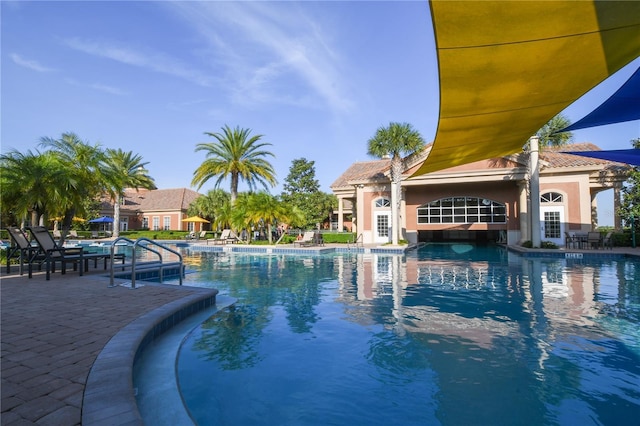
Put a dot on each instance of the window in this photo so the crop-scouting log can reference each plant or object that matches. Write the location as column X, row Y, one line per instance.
column 551, row 197
column 462, row 210
column 167, row 223
column 145, row 222
column 156, row 223
column 383, row 202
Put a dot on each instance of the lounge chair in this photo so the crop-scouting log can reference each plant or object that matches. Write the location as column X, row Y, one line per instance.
column 226, row 237
column 308, row 239
column 74, row 234
column 607, row 242
column 20, row 248
column 51, row 253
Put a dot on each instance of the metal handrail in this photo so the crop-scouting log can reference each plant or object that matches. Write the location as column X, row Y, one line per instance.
column 135, row 244
column 359, row 240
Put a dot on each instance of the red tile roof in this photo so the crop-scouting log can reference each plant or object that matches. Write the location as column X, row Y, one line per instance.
column 374, row 170
column 159, row 199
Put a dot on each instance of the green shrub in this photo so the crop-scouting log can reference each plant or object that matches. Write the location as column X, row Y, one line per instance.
column 338, row 237
column 527, row 244
column 548, row 245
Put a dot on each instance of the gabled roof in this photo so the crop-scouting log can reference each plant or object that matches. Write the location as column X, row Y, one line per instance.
column 365, row 171
column 159, row 199
column 377, row 170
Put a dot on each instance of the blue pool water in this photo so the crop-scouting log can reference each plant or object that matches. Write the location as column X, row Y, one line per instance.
column 447, row 335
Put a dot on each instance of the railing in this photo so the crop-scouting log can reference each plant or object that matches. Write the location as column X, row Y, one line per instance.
column 136, row 267
column 358, row 243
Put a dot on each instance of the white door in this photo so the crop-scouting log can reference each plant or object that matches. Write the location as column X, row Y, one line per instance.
column 552, row 224
column 382, row 223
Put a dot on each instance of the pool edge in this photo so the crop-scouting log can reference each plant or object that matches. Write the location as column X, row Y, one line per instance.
column 109, row 396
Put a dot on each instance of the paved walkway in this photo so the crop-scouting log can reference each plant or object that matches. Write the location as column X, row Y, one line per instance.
column 53, row 331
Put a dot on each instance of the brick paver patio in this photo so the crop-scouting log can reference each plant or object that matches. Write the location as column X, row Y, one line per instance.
column 52, row 332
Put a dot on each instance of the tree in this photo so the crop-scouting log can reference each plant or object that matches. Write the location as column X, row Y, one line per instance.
column 547, row 136
column 123, row 170
column 302, row 190
column 210, row 206
column 395, row 140
column 30, row 184
column 630, row 206
column 264, row 210
column 84, row 177
column 237, row 156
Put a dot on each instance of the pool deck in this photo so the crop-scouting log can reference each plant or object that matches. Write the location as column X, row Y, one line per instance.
column 68, row 344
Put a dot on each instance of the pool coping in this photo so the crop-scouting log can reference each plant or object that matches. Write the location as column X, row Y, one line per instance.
column 109, row 396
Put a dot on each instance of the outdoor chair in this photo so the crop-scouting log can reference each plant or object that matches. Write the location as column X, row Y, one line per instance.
column 570, row 241
column 74, row 234
column 20, row 248
column 594, row 239
column 607, row 241
column 308, row 239
column 51, row 253
column 226, row 237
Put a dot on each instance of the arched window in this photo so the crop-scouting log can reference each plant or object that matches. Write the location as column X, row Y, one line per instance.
column 462, row 210
column 551, row 197
column 382, row 202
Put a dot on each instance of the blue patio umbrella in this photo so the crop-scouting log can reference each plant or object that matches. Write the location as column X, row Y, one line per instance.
column 103, row 219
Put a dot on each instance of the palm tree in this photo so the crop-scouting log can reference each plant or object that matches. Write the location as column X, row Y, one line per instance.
column 394, row 141
column 547, row 136
column 81, row 162
column 123, row 170
column 31, row 183
column 265, row 209
column 237, row 156
column 210, row 205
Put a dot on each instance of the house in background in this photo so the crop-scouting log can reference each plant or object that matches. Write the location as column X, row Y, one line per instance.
column 156, row 209
column 481, row 201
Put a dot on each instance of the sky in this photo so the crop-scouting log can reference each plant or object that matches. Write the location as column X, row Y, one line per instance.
column 316, row 79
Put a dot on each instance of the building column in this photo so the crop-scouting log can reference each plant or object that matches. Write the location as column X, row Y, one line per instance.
column 535, row 191
column 340, row 214
column 523, row 211
column 594, row 211
column 617, row 202
column 358, row 226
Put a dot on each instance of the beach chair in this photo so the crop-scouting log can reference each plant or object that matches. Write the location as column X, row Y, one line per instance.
column 50, row 253
column 20, row 248
column 74, row 234
column 226, row 237
column 308, row 239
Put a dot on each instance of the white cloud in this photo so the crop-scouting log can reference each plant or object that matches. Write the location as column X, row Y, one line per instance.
column 99, row 86
column 267, row 50
column 32, row 65
column 155, row 61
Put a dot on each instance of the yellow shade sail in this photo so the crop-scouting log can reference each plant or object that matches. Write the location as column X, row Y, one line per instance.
column 508, row 67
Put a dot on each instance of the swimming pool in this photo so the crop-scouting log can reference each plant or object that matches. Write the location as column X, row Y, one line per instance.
column 450, row 334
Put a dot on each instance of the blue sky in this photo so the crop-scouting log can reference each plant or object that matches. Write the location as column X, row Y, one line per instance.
column 315, row 78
